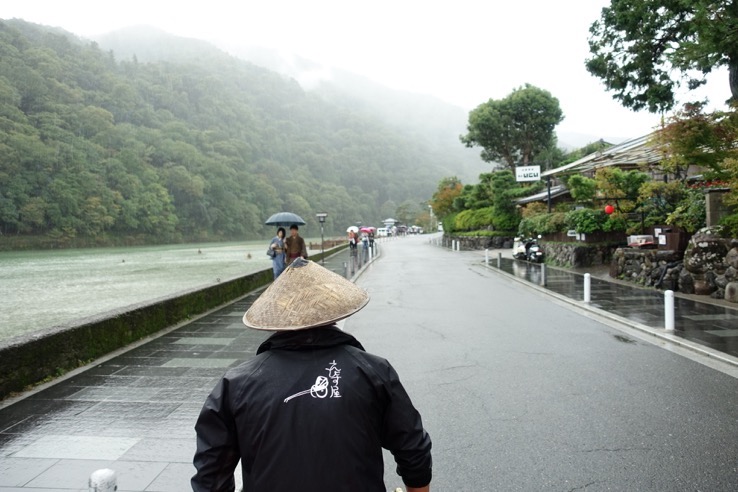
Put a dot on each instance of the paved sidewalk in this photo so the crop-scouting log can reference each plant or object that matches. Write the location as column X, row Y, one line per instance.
column 698, row 320
column 135, row 411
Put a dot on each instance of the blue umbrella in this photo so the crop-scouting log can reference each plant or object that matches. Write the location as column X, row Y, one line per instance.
column 284, row 219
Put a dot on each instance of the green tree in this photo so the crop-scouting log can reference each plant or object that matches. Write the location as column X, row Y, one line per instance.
column 515, row 129
column 659, row 200
column 638, row 46
column 582, row 188
column 407, row 211
column 188, row 146
column 476, row 196
column 443, row 198
column 506, row 217
column 621, row 187
column 692, row 137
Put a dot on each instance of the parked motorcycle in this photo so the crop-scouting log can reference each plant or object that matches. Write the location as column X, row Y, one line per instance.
column 528, row 249
column 535, row 252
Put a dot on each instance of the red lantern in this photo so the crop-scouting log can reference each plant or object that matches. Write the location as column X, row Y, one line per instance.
column 609, row 209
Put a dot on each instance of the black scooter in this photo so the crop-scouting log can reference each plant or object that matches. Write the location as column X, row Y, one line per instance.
column 528, row 249
column 535, row 252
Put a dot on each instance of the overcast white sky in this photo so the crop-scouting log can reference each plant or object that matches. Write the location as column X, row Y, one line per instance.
column 464, row 52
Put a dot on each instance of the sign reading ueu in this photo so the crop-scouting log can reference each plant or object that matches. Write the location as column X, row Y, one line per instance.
column 528, row 173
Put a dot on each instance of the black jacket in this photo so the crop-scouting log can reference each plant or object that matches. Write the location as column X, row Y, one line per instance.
column 311, row 412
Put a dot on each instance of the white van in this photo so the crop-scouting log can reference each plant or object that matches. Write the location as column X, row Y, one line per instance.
column 382, row 232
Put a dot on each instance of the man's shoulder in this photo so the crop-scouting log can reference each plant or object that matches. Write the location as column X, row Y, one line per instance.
column 247, row 368
column 375, row 363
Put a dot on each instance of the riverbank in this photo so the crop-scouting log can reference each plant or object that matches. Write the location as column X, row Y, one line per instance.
column 76, row 284
column 32, row 358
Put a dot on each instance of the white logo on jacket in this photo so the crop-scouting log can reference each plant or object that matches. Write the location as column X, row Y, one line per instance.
column 324, row 386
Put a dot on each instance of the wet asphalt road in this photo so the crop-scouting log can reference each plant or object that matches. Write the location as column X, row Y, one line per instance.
column 523, row 393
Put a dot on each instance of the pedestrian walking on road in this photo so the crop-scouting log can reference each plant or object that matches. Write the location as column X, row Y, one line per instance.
column 312, row 411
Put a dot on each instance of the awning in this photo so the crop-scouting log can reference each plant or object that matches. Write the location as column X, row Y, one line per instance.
column 556, row 191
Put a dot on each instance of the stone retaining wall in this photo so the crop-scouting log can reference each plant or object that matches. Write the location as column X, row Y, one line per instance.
column 30, row 359
column 648, row 267
column 577, row 255
column 709, row 266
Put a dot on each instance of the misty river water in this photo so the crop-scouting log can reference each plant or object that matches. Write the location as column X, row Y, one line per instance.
column 41, row 289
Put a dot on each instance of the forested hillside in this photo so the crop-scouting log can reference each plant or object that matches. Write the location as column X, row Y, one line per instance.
column 202, row 146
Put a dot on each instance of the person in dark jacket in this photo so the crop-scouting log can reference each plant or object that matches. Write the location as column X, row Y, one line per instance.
column 312, row 410
column 294, row 246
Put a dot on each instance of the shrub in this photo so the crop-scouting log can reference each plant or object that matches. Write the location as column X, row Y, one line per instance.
column 541, row 224
column 463, row 220
column 534, row 208
column 449, row 223
column 730, row 224
column 483, row 217
column 486, row 233
column 585, row 220
column 691, row 213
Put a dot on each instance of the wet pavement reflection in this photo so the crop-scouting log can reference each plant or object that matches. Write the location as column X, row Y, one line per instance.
column 708, row 324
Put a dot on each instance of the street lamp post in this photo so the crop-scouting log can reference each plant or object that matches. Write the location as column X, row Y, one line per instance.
column 321, row 217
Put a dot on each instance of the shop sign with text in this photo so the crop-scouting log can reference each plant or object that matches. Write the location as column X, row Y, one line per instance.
column 528, row 173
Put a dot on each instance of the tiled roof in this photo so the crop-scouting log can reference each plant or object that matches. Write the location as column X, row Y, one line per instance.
column 641, row 150
column 557, row 190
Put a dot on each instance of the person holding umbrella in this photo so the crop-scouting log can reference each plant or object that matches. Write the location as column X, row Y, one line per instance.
column 277, row 245
column 294, row 245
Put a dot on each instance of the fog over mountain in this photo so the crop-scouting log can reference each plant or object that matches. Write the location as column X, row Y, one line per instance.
column 428, row 119
column 423, row 116
column 388, row 102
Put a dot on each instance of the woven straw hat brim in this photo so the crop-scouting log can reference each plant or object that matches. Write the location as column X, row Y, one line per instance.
column 305, row 295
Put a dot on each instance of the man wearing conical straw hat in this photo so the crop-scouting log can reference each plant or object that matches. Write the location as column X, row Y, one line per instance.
column 312, row 410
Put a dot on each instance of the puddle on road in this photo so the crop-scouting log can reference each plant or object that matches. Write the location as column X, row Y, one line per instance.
column 624, row 339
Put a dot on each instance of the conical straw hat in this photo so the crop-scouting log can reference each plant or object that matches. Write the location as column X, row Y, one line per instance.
column 305, row 295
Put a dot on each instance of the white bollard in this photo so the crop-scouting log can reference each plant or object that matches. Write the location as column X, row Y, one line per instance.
column 543, row 274
column 103, row 480
column 587, row 287
column 669, row 310
column 499, row 260
column 486, row 256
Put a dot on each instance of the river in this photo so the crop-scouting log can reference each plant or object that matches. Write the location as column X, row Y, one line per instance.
column 41, row 289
